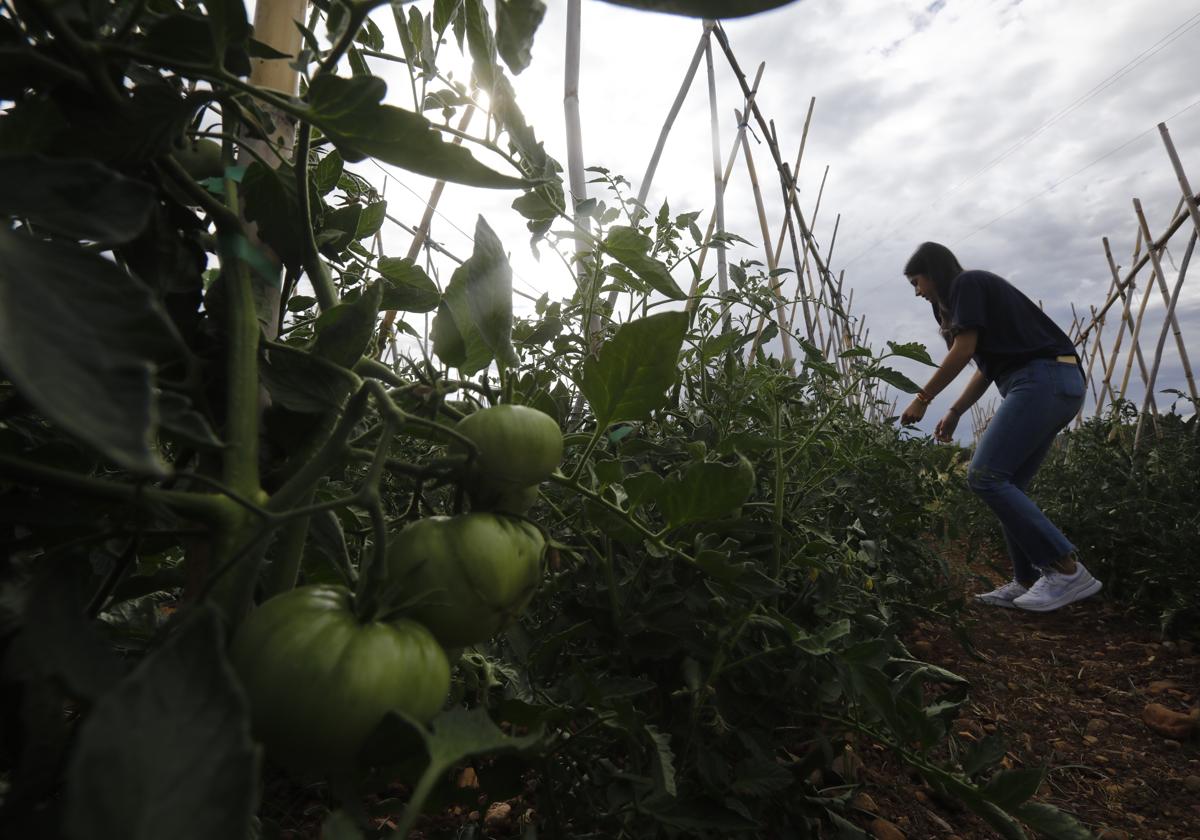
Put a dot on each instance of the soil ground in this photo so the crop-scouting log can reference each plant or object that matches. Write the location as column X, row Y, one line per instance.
column 1068, row 690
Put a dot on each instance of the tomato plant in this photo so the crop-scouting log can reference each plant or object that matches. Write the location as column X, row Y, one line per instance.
column 320, row 678
column 197, row 417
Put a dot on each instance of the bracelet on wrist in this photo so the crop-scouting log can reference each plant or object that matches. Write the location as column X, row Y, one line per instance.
column 954, row 411
column 923, row 398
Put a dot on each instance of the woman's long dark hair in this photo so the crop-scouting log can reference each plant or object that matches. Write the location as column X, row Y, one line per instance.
column 938, row 263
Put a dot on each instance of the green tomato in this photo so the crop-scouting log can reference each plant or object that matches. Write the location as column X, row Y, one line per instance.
column 469, row 575
column 518, row 446
column 200, row 157
column 320, row 680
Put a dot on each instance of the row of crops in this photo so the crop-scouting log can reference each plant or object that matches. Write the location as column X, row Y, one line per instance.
column 628, row 579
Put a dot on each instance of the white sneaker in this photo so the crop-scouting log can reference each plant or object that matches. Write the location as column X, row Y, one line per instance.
column 1002, row 596
column 1055, row 589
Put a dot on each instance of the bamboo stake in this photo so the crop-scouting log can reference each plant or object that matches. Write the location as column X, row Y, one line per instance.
column 796, row 174
column 1193, row 209
column 803, row 275
column 1106, row 390
column 669, row 123
column 1162, row 336
column 772, row 280
column 718, row 185
column 1162, row 285
column 1137, row 345
column 786, row 180
column 1175, row 225
column 1137, row 329
column 820, row 192
column 1090, row 365
column 789, row 228
column 578, row 179
column 275, row 26
column 422, row 231
column 734, row 151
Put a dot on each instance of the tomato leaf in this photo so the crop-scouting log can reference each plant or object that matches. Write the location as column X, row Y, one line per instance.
column 167, row 752
column 304, row 382
column 269, row 199
column 896, row 379
column 407, row 287
column 628, row 378
column 984, row 754
column 631, row 248
column 76, row 198
column 350, row 113
column 912, row 350
column 344, row 332
column 474, row 321
column 79, row 338
column 516, row 23
column 1051, row 822
column 706, row 490
column 57, row 640
column 1010, row 788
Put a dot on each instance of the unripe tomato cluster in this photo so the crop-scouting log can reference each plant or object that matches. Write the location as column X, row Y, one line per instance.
column 320, row 678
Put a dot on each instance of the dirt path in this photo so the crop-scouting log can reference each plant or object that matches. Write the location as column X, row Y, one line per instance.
column 1074, row 690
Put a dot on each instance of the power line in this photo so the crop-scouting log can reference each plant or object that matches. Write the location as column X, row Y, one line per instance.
column 1120, row 73
column 1058, row 183
column 1155, row 48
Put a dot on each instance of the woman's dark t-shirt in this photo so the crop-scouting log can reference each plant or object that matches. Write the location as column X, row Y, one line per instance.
column 1013, row 330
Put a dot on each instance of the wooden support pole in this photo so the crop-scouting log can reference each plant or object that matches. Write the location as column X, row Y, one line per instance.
column 789, row 228
column 1106, row 390
column 1162, row 337
column 718, row 185
column 275, row 26
column 785, row 178
column 1128, row 318
column 734, row 151
column 1137, row 265
column 652, row 167
column 1096, row 346
column 575, row 170
column 1137, row 329
column 1188, row 196
column 772, row 279
column 422, row 230
column 795, row 173
column 1166, row 294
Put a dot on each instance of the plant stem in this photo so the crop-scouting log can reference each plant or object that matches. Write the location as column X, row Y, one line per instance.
column 197, row 506
column 587, row 453
column 314, row 266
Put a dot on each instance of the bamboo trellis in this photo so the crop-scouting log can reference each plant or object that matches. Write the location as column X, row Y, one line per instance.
column 1104, row 364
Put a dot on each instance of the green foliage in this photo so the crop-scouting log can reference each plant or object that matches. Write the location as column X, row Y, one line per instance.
column 1132, row 514
column 194, row 415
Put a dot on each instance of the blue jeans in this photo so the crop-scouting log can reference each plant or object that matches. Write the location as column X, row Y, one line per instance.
column 1040, row 399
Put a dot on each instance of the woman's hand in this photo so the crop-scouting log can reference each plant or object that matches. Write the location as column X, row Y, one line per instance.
column 944, row 432
column 914, row 412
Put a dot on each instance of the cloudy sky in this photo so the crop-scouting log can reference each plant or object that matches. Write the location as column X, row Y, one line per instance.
column 1016, row 132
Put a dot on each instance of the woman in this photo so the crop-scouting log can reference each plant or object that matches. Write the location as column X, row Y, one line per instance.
column 1034, row 366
